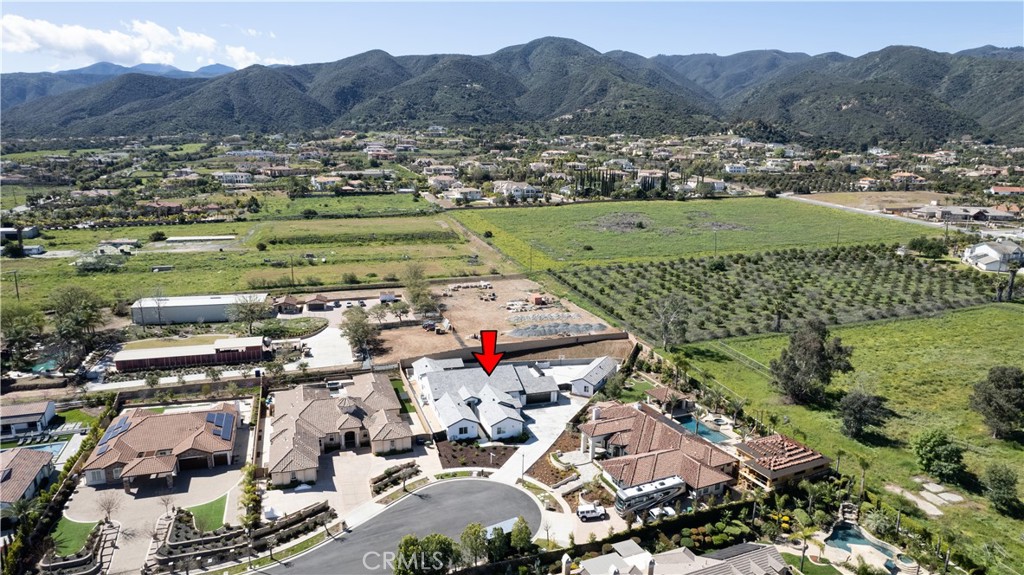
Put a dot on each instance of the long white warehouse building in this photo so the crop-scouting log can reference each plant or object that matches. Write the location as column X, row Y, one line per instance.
column 188, row 309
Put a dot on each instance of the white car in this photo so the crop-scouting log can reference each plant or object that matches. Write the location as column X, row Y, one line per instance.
column 662, row 513
column 588, row 511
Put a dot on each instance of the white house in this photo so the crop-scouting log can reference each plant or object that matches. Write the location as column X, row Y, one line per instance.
column 518, row 190
column 457, row 418
column 735, row 169
column 498, row 414
column 466, row 194
column 233, row 177
column 994, row 256
column 26, row 417
column 594, row 376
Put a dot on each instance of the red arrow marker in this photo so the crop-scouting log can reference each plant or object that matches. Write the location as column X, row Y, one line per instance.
column 488, row 359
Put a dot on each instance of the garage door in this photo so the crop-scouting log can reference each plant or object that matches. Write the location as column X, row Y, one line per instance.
column 538, row 397
column 192, row 463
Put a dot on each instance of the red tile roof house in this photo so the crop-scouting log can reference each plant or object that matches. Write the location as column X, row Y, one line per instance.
column 145, row 445
column 309, row 421
column 647, row 446
column 25, row 417
column 777, row 460
column 22, row 471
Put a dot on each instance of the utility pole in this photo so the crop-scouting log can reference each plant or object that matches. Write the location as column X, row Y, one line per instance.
column 17, row 292
column 291, row 259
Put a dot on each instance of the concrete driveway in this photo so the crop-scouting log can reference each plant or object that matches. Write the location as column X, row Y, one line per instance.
column 343, row 479
column 545, row 423
column 445, row 507
column 329, row 349
column 139, row 511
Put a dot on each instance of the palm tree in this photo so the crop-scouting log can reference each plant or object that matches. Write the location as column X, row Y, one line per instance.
column 20, row 509
column 864, row 466
column 839, row 459
column 803, row 533
column 779, row 502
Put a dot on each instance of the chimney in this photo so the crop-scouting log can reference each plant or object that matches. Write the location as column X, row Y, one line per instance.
column 566, row 564
column 650, row 567
column 595, row 414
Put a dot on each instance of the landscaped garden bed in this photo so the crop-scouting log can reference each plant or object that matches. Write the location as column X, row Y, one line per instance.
column 393, row 476
column 471, row 454
column 544, row 470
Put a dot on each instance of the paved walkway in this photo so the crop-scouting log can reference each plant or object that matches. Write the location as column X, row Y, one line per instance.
column 547, row 424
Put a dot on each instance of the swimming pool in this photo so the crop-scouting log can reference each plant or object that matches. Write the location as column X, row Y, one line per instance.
column 702, row 430
column 53, row 448
column 845, row 535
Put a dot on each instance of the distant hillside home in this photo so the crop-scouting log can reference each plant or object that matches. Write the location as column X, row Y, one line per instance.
column 310, row 421
column 1005, row 190
column 22, row 472
column 11, row 234
column 145, row 445
column 464, row 194
column 188, row 309
column 735, row 169
column 233, row 177
column 517, row 190
column 994, row 256
column 962, row 214
column 908, row 178
column 776, row 460
column 25, row 417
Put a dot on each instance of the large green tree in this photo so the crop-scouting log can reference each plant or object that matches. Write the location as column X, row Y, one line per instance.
column 20, row 325
column 77, row 313
column 860, row 410
column 356, row 326
column 522, row 536
column 1000, row 482
column 474, row 543
column 938, row 455
column 806, row 366
column 999, row 398
column 249, row 309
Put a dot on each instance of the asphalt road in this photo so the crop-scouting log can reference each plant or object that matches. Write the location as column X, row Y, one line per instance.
column 445, row 507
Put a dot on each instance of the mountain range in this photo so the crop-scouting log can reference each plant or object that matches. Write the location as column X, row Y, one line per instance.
column 899, row 93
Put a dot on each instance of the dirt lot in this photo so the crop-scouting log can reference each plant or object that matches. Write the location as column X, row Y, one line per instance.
column 465, row 454
column 543, row 470
column 880, row 200
column 469, row 315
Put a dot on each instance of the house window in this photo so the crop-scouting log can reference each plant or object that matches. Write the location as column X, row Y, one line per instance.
column 117, row 472
column 463, row 430
column 586, row 389
column 499, row 431
column 392, row 445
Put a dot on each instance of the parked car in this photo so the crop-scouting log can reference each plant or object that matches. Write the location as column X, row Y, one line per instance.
column 589, row 511
column 662, row 513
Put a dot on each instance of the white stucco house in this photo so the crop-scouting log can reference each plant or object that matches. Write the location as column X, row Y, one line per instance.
column 994, row 256
column 593, row 378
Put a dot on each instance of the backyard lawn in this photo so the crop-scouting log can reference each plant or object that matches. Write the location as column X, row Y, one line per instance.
column 809, row 568
column 70, row 536
column 407, row 405
column 925, row 369
column 209, row 516
column 75, row 416
column 634, row 391
column 617, row 232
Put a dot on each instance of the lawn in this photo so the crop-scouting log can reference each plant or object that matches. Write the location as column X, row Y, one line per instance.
column 70, row 536
column 635, row 391
column 613, row 232
column 809, row 568
column 209, row 516
column 370, row 248
column 925, row 369
column 174, row 341
column 73, row 416
column 14, row 196
column 278, row 204
column 407, row 405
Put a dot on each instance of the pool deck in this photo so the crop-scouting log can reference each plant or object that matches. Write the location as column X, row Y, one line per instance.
column 871, row 556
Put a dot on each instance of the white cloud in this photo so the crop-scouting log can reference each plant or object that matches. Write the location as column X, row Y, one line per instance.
column 272, row 35
column 251, row 32
column 139, row 41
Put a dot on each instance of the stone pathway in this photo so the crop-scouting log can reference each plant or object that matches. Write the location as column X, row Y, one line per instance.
column 923, row 504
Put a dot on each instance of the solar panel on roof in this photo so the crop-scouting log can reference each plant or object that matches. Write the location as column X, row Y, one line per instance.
column 225, row 433
column 210, row 417
column 102, row 449
column 229, row 420
column 219, row 419
column 122, row 421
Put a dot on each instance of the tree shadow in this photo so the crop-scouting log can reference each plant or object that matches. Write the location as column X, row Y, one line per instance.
column 704, row 354
column 970, row 482
column 872, row 438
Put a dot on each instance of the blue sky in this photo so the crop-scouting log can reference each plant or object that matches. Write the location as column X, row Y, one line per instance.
column 49, row 36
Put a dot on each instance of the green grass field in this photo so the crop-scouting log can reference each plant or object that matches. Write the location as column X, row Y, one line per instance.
column 70, row 536
column 276, row 204
column 556, row 237
column 809, row 568
column 407, row 405
column 370, row 248
column 209, row 516
column 925, row 368
column 73, row 416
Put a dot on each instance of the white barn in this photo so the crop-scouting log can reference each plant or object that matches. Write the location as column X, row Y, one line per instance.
column 187, row 309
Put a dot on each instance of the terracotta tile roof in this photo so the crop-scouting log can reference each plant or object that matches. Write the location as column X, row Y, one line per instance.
column 18, row 469
column 376, row 392
column 385, row 426
column 641, row 431
column 630, row 470
column 149, row 433
column 149, row 465
column 664, row 394
column 778, row 452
